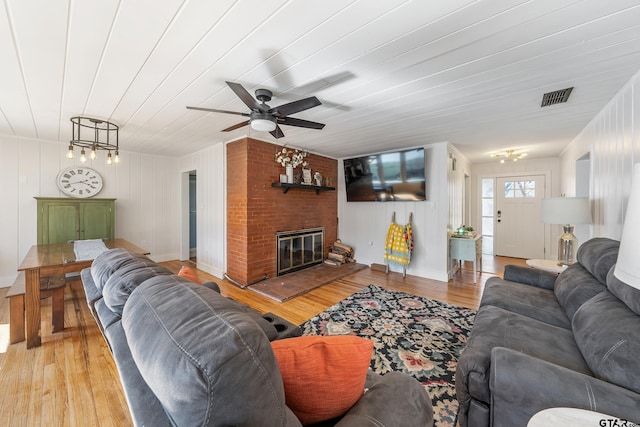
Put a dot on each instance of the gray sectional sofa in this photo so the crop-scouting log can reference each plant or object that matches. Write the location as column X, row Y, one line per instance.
column 542, row 340
column 188, row 356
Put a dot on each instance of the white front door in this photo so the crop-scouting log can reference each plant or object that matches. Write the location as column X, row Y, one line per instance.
column 519, row 231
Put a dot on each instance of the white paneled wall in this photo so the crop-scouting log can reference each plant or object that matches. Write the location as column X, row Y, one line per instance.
column 456, row 185
column 364, row 225
column 612, row 141
column 147, row 189
column 9, row 211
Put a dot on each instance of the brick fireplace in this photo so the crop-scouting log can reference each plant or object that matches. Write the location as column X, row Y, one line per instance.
column 257, row 212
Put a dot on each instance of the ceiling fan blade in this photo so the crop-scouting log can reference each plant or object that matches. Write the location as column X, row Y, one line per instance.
column 292, row 121
column 238, row 126
column 277, row 133
column 213, row 110
column 245, row 96
column 296, row 106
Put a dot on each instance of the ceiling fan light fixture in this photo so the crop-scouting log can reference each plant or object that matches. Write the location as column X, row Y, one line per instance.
column 264, row 118
column 263, row 125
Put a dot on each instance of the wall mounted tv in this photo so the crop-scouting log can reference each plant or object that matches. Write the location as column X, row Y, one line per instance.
column 386, row 177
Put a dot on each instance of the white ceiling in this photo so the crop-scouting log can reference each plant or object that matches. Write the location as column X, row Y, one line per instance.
column 390, row 74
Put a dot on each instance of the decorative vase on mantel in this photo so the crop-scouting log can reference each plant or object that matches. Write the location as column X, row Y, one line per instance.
column 289, row 172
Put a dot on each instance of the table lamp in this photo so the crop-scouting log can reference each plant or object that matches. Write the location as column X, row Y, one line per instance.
column 566, row 211
column 628, row 266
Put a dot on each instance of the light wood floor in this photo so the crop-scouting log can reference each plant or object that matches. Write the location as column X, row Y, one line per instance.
column 71, row 380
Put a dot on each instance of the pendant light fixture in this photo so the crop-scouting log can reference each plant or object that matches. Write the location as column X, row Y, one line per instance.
column 95, row 135
column 509, row 155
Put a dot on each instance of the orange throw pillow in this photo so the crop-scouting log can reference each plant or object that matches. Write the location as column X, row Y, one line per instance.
column 188, row 273
column 323, row 376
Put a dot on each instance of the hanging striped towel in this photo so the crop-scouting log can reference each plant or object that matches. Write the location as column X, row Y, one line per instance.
column 398, row 247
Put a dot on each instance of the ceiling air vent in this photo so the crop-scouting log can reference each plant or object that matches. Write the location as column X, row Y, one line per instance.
column 557, row 97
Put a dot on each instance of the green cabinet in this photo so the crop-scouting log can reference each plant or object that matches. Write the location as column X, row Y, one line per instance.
column 64, row 219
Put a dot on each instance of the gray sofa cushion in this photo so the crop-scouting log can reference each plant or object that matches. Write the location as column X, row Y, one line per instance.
column 522, row 385
column 597, row 255
column 122, row 282
column 109, row 262
column 106, row 316
column 91, row 293
column 574, row 287
column 530, row 276
column 588, row 277
column 627, row 294
column 144, row 407
column 374, row 410
column 229, row 378
column 496, row 327
column 528, row 300
column 608, row 334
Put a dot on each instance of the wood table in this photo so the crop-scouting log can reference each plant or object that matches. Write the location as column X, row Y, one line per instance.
column 546, row 265
column 49, row 260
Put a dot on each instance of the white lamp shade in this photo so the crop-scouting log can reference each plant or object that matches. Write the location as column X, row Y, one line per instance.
column 263, row 125
column 566, row 210
column 628, row 265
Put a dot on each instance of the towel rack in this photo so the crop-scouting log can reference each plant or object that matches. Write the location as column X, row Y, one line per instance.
column 393, row 217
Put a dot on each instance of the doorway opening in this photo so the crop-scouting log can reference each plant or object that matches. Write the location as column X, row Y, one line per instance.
column 193, row 216
column 189, row 216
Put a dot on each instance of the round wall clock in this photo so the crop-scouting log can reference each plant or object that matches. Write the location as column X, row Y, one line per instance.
column 79, row 181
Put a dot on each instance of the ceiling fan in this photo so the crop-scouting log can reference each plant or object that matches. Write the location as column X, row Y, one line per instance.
column 264, row 118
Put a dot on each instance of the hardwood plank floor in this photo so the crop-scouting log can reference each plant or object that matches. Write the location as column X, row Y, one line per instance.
column 71, row 380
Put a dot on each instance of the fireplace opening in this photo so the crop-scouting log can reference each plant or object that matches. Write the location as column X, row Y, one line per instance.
column 299, row 249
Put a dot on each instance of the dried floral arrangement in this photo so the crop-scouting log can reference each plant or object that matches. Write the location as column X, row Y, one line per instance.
column 294, row 157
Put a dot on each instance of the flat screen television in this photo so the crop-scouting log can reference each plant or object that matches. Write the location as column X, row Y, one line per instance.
column 386, row 177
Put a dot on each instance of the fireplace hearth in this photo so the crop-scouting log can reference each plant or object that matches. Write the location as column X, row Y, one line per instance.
column 299, row 249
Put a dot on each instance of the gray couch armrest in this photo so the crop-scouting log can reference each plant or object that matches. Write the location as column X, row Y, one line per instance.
column 522, row 385
column 394, row 399
column 530, row 276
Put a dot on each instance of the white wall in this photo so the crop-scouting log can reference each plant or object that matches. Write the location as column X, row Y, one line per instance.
column 456, row 186
column 612, row 139
column 146, row 187
column 364, row 225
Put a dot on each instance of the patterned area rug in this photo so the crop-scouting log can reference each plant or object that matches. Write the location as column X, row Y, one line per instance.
column 414, row 335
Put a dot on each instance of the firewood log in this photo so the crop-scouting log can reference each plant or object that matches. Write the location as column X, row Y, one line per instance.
column 337, row 257
column 341, row 245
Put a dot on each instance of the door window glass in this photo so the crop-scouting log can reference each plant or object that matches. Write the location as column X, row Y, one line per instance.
column 487, row 216
column 514, row 189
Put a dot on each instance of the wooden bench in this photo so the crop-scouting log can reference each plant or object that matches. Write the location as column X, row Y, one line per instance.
column 49, row 287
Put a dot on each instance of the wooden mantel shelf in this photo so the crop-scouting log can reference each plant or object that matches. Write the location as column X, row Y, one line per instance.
column 285, row 187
